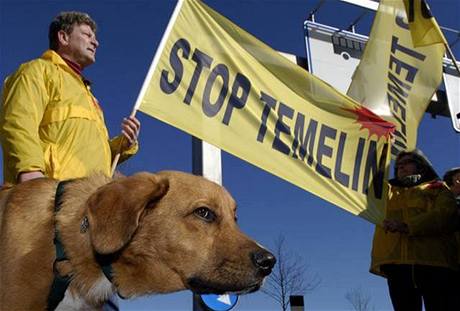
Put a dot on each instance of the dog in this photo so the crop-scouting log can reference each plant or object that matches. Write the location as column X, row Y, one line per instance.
column 159, row 233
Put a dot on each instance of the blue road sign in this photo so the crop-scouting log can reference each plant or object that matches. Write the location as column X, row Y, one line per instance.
column 220, row 302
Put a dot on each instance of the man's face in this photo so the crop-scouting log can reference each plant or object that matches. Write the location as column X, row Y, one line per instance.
column 455, row 188
column 80, row 45
column 405, row 167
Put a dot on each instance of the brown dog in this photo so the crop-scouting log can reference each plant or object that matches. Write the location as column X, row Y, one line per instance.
column 161, row 233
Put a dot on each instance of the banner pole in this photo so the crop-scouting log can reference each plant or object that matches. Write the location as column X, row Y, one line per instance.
column 158, row 52
column 116, row 158
column 149, row 75
column 452, row 57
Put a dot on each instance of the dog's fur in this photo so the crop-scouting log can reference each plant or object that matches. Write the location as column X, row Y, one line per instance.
column 156, row 229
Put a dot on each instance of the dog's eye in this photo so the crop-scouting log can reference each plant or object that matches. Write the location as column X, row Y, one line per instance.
column 205, row 213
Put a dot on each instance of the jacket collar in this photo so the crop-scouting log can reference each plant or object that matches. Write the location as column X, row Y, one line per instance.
column 55, row 58
column 76, row 67
column 434, row 183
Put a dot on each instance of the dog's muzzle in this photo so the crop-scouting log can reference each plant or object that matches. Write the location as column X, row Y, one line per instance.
column 264, row 261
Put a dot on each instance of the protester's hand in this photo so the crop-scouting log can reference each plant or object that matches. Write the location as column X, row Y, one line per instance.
column 395, row 226
column 130, row 128
column 25, row 176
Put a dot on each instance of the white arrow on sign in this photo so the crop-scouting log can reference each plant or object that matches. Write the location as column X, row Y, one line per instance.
column 225, row 299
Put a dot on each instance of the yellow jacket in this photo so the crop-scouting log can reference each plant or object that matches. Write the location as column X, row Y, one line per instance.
column 51, row 122
column 429, row 211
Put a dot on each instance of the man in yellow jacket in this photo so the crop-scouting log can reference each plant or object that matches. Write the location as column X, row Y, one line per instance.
column 415, row 248
column 452, row 179
column 50, row 122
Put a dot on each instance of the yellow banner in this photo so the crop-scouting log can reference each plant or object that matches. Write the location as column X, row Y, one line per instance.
column 215, row 81
column 395, row 79
column 423, row 26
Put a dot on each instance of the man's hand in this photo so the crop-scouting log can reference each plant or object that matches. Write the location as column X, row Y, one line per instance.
column 395, row 226
column 130, row 128
column 25, row 176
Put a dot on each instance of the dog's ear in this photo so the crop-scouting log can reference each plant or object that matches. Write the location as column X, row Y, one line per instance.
column 114, row 209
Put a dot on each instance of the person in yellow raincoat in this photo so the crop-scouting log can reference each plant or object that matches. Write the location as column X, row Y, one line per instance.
column 452, row 179
column 415, row 248
column 50, row 122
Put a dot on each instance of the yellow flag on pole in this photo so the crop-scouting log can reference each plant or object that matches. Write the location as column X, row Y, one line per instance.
column 395, row 79
column 215, row 81
column 423, row 26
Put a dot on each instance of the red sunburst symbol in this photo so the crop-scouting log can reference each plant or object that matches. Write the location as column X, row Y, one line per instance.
column 372, row 122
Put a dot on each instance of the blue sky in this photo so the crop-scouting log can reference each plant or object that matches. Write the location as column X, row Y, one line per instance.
column 334, row 243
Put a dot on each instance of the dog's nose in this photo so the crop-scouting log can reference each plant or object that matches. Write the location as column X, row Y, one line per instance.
column 263, row 260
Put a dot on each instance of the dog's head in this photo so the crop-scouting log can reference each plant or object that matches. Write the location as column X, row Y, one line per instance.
column 174, row 231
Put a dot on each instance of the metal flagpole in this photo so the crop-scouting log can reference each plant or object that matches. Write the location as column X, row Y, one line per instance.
column 452, row 57
column 152, row 68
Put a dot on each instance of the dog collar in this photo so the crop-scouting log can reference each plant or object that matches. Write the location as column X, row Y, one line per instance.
column 108, row 272
column 105, row 261
column 60, row 283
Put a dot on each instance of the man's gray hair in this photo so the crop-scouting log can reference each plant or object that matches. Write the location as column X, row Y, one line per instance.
column 65, row 21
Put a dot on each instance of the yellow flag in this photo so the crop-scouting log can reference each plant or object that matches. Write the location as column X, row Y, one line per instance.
column 395, row 79
column 215, row 81
column 423, row 26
